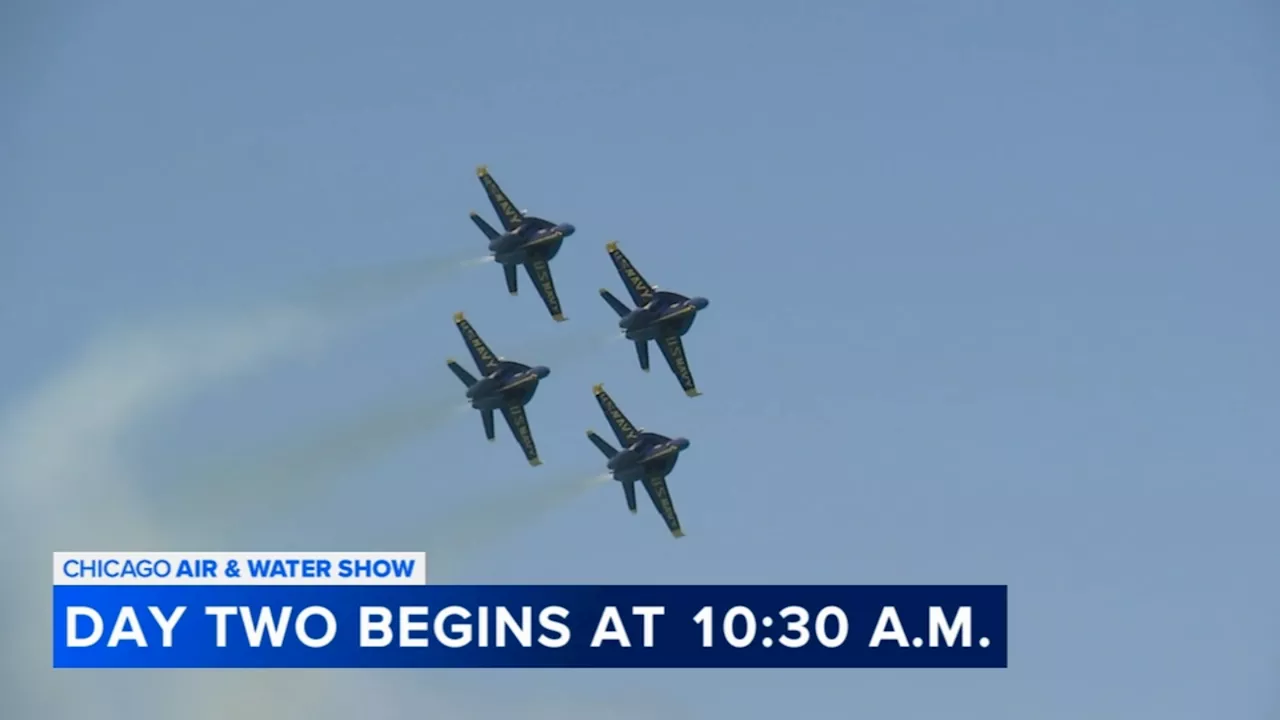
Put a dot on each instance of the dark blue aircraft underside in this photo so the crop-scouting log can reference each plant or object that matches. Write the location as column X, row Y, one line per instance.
column 525, row 240
column 503, row 386
column 645, row 458
column 658, row 316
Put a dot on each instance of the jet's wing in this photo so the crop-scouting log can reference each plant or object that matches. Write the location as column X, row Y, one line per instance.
column 672, row 348
column 519, row 424
column 480, row 352
column 640, row 289
column 540, row 273
column 507, row 211
column 622, row 427
column 661, row 498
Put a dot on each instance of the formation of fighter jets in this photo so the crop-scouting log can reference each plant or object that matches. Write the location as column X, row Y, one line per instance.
column 660, row 316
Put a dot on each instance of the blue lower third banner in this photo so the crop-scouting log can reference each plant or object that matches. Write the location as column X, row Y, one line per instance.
column 544, row 626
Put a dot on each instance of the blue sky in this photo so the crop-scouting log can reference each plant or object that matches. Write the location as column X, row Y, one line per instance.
column 989, row 286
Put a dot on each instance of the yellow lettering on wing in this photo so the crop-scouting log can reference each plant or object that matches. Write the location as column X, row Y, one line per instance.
column 676, row 351
column 616, row 416
column 482, row 351
column 500, row 199
column 542, row 275
column 521, row 424
column 664, row 502
column 629, row 272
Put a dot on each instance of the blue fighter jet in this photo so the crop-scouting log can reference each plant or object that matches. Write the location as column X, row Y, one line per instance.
column 645, row 457
column 504, row 386
column 525, row 240
column 659, row 315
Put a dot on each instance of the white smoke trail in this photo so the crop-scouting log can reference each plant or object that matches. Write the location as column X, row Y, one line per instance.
column 450, row 542
column 371, row 287
column 66, row 488
column 314, row 461
column 259, row 484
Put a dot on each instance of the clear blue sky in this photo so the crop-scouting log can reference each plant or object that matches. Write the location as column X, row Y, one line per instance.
column 993, row 300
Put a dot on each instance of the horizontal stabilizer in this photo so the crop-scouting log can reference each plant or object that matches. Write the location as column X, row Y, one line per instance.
column 602, row 445
column 614, row 303
column 467, row 378
column 485, row 227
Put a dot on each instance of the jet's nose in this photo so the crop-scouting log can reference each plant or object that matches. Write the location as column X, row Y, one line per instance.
column 542, row 371
column 681, row 443
column 567, row 229
column 700, row 302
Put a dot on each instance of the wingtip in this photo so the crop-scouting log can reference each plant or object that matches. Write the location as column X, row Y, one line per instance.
column 474, row 214
column 458, row 317
column 677, row 533
column 535, row 462
column 492, row 439
column 559, row 318
column 692, row 392
column 633, row 510
column 450, row 361
column 598, row 388
column 590, row 433
column 604, row 291
column 482, row 170
column 644, row 369
column 513, row 293
column 611, row 245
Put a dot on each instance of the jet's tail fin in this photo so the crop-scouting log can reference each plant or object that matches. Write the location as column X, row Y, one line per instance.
column 614, row 303
column 489, row 430
column 629, row 490
column 642, row 353
column 601, row 444
column 467, row 378
column 513, row 280
column 485, row 227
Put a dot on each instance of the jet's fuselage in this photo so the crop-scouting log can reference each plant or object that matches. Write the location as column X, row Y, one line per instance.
column 535, row 238
column 505, row 387
column 650, row 455
column 665, row 315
